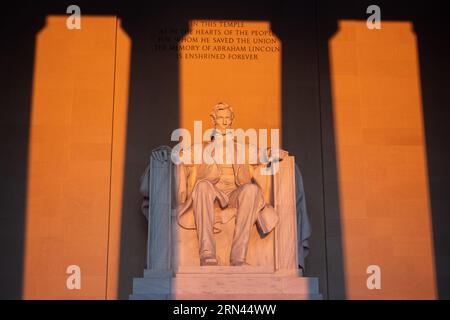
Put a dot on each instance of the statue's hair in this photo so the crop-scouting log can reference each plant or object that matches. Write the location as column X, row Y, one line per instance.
column 221, row 106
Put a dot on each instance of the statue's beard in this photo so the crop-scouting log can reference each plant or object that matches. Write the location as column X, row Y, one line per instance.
column 223, row 131
column 222, row 134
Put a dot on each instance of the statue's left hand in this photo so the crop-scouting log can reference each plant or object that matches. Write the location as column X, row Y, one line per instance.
column 276, row 156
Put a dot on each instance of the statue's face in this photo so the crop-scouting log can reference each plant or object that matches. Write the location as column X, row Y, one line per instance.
column 223, row 120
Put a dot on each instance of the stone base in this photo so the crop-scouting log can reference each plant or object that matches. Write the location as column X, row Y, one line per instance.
column 225, row 283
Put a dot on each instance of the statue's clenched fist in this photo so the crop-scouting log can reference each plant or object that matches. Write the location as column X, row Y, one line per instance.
column 161, row 154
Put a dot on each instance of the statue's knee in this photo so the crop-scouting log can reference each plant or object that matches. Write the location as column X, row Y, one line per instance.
column 203, row 186
column 250, row 188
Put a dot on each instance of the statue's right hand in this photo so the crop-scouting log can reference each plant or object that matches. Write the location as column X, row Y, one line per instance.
column 161, row 154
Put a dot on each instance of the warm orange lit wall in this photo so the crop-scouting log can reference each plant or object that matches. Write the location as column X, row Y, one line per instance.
column 381, row 160
column 70, row 158
column 251, row 87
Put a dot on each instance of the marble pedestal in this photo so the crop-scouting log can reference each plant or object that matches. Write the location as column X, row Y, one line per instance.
column 225, row 283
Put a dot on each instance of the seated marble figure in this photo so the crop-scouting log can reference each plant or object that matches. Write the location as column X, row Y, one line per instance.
column 236, row 187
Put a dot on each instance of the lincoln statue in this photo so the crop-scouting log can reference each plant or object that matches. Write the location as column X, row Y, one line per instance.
column 226, row 182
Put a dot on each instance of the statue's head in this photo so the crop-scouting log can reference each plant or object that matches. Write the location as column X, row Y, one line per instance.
column 222, row 116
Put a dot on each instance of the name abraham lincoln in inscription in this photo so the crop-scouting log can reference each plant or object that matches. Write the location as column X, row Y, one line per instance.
column 205, row 40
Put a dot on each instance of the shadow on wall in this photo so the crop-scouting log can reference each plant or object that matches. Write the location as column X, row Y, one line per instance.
column 18, row 32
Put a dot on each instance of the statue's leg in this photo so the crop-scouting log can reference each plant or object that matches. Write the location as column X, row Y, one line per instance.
column 249, row 201
column 203, row 196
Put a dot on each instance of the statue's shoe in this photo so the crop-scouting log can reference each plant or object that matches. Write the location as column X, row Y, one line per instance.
column 238, row 263
column 208, row 261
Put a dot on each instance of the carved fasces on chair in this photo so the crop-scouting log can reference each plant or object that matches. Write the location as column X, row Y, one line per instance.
column 159, row 216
